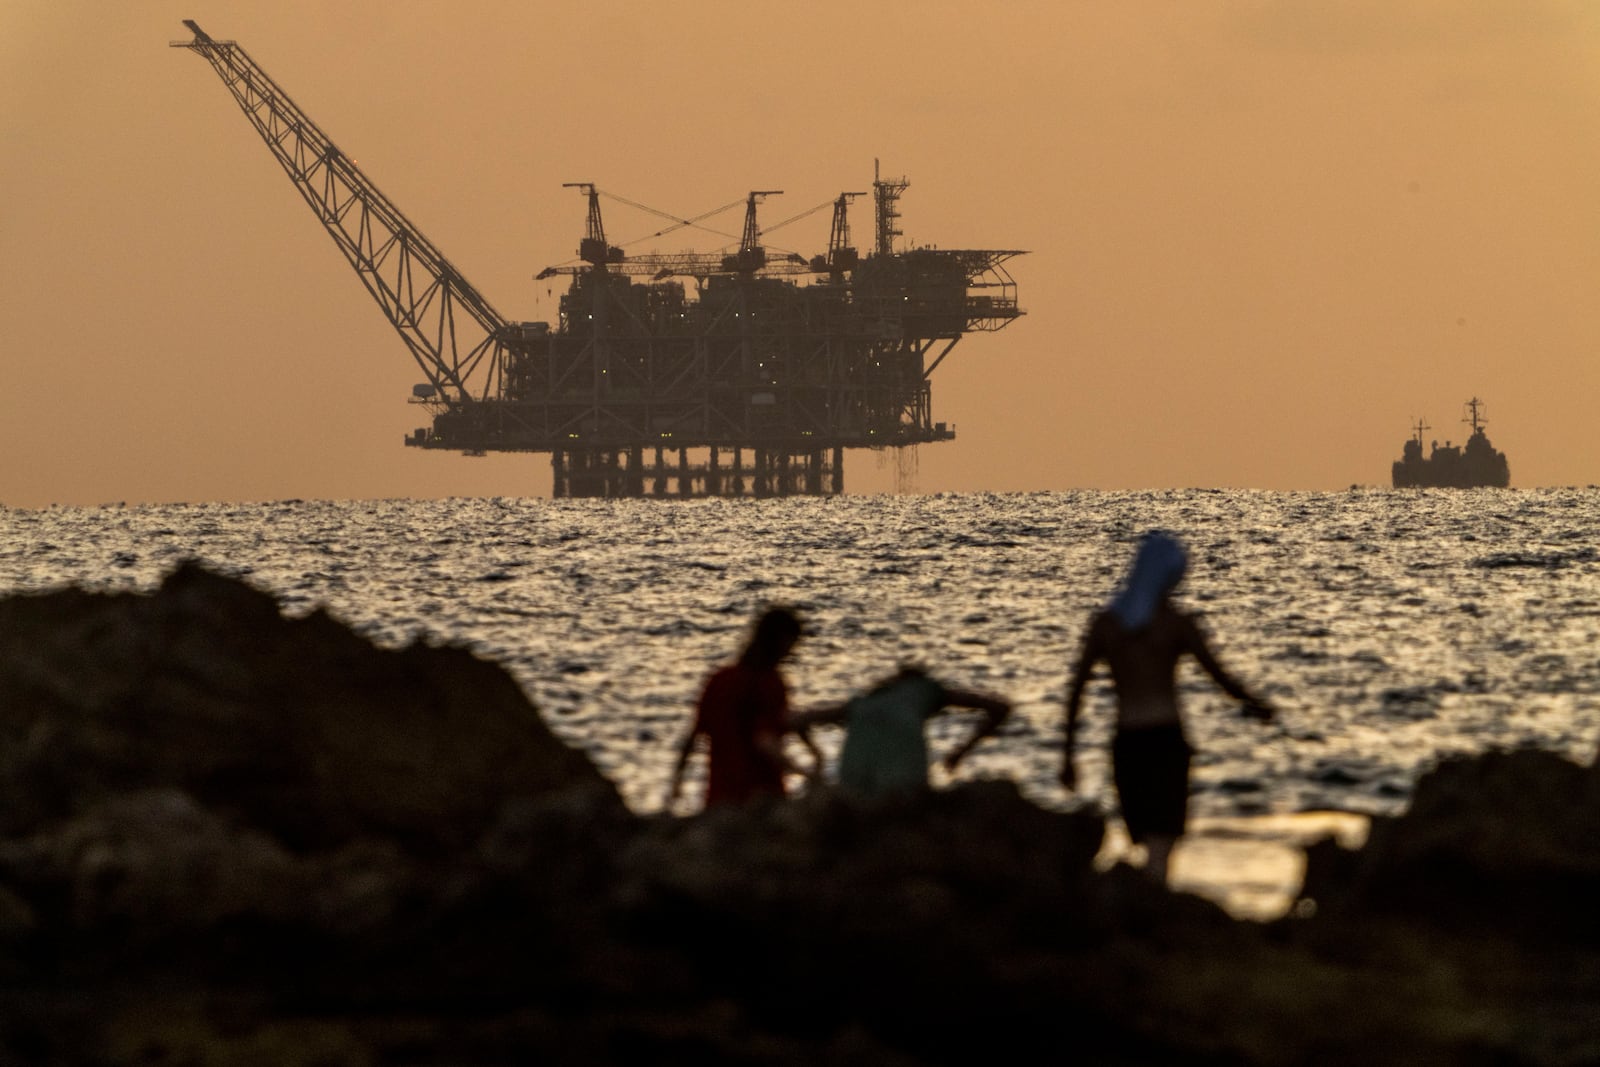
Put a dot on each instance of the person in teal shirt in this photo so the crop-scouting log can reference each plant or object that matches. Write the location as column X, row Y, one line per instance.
column 885, row 748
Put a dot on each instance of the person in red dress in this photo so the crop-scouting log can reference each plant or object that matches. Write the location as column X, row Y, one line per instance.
column 742, row 716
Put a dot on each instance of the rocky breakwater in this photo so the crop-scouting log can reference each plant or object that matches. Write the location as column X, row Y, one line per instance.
column 228, row 837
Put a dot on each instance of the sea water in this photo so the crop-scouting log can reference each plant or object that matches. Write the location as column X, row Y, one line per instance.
column 1391, row 629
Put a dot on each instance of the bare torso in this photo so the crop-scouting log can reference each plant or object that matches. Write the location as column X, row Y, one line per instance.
column 1144, row 665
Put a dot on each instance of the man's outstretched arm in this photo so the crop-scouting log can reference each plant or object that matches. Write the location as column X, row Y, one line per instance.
column 995, row 711
column 1253, row 706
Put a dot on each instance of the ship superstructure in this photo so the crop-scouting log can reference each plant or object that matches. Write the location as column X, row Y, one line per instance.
column 1475, row 465
column 724, row 374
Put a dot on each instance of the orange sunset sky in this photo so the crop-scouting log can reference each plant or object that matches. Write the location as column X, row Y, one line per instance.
column 1263, row 236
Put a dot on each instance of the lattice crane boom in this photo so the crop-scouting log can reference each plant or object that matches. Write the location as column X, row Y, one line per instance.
column 456, row 337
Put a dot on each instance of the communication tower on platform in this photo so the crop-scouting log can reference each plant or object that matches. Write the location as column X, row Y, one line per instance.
column 751, row 383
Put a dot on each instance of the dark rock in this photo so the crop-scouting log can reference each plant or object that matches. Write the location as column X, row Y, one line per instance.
column 150, row 862
column 300, row 728
column 1507, row 838
column 230, row 837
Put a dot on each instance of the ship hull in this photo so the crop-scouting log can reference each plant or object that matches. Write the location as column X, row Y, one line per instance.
column 1478, row 466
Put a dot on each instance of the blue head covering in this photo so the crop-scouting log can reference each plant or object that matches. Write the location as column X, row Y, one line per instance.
column 1157, row 569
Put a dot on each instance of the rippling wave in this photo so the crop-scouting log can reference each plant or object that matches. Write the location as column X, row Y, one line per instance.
column 1391, row 628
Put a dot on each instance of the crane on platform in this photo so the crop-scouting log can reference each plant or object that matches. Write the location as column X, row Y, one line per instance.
column 594, row 249
column 456, row 337
column 842, row 255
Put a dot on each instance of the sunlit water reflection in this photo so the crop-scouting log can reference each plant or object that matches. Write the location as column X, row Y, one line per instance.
column 1391, row 628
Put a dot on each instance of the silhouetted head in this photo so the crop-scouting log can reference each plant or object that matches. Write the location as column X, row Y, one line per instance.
column 902, row 672
column 1158, row 567
column 775, row 633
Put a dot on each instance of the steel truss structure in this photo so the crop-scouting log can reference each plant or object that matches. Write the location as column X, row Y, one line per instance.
column 644, row 388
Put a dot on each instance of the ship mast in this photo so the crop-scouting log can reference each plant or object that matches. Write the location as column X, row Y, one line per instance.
column 1474, row 419
column 1416, row 431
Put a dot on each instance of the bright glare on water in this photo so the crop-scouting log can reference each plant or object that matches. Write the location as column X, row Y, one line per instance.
column 1390, row 628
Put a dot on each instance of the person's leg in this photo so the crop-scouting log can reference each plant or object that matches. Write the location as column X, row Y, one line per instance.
column 1151, row 771
column 1158, row 855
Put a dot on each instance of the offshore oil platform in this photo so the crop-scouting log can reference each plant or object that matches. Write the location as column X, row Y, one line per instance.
column 752, row 384
column 1477, row 465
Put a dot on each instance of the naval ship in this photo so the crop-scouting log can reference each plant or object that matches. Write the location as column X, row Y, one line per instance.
column 1474, row 465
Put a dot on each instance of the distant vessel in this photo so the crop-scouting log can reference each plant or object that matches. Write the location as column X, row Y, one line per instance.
column 1450, row 467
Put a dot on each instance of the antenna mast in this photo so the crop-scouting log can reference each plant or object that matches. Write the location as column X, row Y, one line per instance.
column 886, row 192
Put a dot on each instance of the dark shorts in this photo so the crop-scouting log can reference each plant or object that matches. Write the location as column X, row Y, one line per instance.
column 1151, row 769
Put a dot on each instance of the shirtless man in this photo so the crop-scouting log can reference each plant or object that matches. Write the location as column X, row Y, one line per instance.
column 1142, row 636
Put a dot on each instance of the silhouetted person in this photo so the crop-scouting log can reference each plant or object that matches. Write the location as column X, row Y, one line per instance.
column 743, row 714
column 1142, row 636
column 885, row 746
